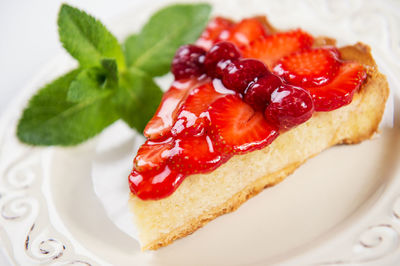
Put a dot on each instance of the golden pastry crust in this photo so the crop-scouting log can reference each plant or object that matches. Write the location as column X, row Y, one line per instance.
column 229, row 206
column 159, row 222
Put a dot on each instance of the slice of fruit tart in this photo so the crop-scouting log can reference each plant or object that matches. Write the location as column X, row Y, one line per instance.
column 249, row 104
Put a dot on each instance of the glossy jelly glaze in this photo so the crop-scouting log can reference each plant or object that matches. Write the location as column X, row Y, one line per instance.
column 235, row 90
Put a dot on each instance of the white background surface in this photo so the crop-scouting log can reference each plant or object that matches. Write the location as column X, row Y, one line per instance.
column 29, row 39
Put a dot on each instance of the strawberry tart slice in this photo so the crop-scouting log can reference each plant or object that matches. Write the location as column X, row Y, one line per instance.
column 249, row 104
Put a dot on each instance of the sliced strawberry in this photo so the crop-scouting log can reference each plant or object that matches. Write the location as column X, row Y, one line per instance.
column 237, row 128
column 309, row 67
column 192, row 155
column 192, row 116
column 161, row 123
column 216, row 30
column 340, row 90
column 273, row 47
column 152, row 155
column 247, row 31
column 154, row 185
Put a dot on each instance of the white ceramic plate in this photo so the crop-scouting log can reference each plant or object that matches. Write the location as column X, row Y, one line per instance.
column 342, row 207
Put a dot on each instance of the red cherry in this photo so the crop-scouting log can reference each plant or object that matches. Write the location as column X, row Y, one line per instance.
column 289, row 107
column 188, row 62
column 217, row 55
column 238, row 74
column 258, row 94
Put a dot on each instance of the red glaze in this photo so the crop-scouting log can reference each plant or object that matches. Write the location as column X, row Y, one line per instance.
column 290, row 106
column 200, row 124
column 152, row 155
column 247, row 31
column 159, row 126
column 192, row 115
column 273, row 47
column 218, row 29
column 310, row 67
column 193, row 155
column 237, row 128
column 340, row 90
column 154, row 185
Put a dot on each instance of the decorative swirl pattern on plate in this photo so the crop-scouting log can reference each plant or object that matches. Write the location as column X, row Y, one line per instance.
column 376, row 243
column 43, row 249
column 19, row 175
column 20, row 200
column 16, row 208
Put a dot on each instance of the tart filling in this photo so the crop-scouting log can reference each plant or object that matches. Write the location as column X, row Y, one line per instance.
column 235, row 91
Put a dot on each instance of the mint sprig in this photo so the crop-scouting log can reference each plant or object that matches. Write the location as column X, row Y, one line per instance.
column 112, row 81
column 50, row 119
column 86, row 38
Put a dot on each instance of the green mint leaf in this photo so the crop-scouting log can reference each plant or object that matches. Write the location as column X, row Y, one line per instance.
column 50, row 119
column 88, row 84
column 86, row 38
column 137, row 98
column 94, row 82
column 111, row 69
column 153, row 49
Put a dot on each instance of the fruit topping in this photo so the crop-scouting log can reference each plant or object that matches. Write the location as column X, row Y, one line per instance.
column 258, row 93
column 237, row 128
column 310, row 67
column 216, row 30
column 247, row 31
column 154, row 185
column 219, row 56
column 195, row 155
column 340, row 90
column 273, row 47
column 160, row 124
column 222, row 104
column 238, row 74
column 152, row 155
column 289, row 107
column 188, row 62
column 192, row 115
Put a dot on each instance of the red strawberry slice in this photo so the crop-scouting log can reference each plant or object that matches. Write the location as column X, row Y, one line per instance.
column 340, row 90
column 310, row 67
column 247, row 31
column 154, row 185
column 192, row 117
column 273, row 47
column 237, row 128
column 161, row 123
column 216, row 30
column 193, row 155
column 152, row 155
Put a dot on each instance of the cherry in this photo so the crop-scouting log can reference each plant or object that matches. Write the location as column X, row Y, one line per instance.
column 188, row 62
column 219, row 56
column 258, row 93
column 289, row 107
column 238, row 74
